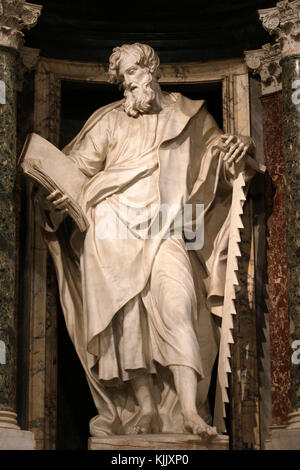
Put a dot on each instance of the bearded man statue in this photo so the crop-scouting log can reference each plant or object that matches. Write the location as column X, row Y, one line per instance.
column 144, row 312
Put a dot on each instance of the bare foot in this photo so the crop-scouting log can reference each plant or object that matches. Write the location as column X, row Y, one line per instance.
column 147, row 423
column 196, row 425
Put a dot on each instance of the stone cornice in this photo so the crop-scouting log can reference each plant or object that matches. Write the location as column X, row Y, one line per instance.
column 16, row 15
column 284, row 22
column 266, row 63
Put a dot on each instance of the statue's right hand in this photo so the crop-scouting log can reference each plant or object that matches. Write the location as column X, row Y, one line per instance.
column 51, row 201
column 59, row 203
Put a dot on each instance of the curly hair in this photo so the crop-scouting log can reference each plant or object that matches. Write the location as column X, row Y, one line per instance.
column 147, row 58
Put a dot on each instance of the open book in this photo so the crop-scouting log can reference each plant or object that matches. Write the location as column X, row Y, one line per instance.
column 51, row 168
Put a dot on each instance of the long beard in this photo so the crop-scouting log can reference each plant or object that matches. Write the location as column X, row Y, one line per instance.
column 140, row 100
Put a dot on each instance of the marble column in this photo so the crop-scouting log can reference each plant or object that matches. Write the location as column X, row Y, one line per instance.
column 14, row 16
column 291, row 140
column 266, row 63
column 283, row 21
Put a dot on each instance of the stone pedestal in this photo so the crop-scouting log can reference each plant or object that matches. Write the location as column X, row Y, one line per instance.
column 291, row 138
column 283, row 438
column 158, row 442
column 15, row 439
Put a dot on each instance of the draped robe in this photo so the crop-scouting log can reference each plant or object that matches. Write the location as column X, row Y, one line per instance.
column 171, row 163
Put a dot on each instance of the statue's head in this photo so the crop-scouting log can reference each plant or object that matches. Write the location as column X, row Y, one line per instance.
column 135, row 67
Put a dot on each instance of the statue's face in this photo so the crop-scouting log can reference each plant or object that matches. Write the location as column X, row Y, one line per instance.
column 137, row 81
column 131, row 73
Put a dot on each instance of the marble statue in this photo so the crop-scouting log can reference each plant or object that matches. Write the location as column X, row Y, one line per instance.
column 144, row 312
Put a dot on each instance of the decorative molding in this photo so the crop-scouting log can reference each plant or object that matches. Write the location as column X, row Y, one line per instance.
column 233, row 74
column 283, row 438
column 30, row 14
column 266, row 63
column 29, row 58
column 8, row 420
column 284, row 22
column 294, row 420
column 16, row 15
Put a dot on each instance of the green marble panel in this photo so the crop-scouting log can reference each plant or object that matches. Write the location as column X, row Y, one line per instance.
column 7, row 226
column 291, row 136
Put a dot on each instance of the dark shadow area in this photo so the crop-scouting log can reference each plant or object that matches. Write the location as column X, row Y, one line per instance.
column 190, row 31
column 79, row 100
column 244, row 380
column 210, row 92
column 75, row 406
column 25, row 100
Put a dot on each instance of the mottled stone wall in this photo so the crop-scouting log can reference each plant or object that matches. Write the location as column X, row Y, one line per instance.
column 7, row 227
column 291, row 140
column 276, row 256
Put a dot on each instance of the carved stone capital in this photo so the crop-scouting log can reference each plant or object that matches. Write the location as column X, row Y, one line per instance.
column 266, row 63
column 284, row 22
column 16, row 15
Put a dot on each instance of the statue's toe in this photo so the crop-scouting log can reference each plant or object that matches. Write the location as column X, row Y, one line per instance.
column 196, row 425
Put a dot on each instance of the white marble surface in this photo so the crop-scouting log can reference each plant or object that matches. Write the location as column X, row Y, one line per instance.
column 283, row 438
column 13, row 439
column 158, row 442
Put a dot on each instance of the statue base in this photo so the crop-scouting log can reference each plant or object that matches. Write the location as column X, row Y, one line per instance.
column 283, row 438
column 158, row 442
column 15, row 439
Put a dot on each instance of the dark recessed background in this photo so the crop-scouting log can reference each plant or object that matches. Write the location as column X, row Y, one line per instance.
column 79, row 100
column 87, row 30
